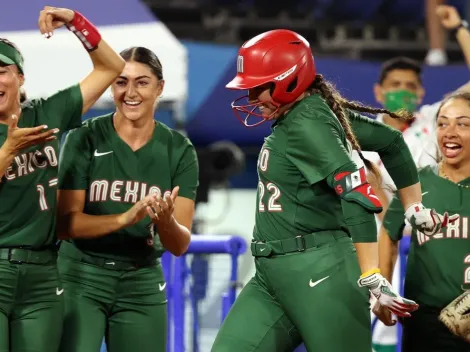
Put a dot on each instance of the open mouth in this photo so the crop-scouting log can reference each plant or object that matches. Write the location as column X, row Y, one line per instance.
column 132, row 103
column 451, row 150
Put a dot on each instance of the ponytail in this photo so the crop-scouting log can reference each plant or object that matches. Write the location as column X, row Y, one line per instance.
column 23, row 96
column 338, row 104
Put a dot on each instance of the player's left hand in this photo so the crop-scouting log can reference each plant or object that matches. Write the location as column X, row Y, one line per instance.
column 161, row 209
column 386, row 295
column 427, row 221
column 455, row 316
column 51, row 18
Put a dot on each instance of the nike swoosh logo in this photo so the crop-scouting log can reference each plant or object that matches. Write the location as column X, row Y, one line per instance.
column 262, row 249
column 313, row 284
column 424, row 193
column 111, row 263
column 162, row 286
column 58, row 292
column 100, row 154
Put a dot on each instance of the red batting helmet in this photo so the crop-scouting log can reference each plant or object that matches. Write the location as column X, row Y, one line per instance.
column 281, row 57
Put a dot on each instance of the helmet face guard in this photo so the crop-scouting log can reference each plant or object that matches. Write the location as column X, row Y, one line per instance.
column 280, row 57
column 250, row 110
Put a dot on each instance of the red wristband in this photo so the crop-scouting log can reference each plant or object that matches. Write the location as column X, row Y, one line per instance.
column 85, row 31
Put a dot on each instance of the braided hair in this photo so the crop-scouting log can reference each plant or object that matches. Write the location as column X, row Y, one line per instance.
column 338, row 104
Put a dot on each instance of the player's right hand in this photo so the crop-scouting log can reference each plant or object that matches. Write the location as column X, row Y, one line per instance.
column 51, row 18
column 384, row 314
column 20, row 138
column 427, row 221
column 137, row 212
column 386, row 295
column 449, row 16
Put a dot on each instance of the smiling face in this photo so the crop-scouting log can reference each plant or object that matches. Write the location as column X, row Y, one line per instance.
column 136, row 91
column 10, row 82
column 453, row 131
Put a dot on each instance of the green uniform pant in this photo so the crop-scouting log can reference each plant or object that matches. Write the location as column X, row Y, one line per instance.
column 309, row 297
column 127, row 307
column 423, row 331
column 31, row 307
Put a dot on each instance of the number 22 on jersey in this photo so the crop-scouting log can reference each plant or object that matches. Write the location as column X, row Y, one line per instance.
column 268, row 192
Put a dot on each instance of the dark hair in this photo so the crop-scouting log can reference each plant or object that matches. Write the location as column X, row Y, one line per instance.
column 338, row 104
column 23, row 96
column 144, row 56
column 454, row 95
column 399, row 63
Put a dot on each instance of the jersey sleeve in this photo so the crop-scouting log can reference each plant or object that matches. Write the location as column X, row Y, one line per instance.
column 316, row 149
column 394, row 219
column 388, row 142
column 315, row 146
column 186, row 174
column 63, row 109
column 75, row 159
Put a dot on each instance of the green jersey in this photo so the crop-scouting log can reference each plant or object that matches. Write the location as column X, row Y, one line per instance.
column 29, row 187
column 115, row 177
column 438, row 267
column 305, row 147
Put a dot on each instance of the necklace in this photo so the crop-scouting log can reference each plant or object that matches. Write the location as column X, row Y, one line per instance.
column 443, row 174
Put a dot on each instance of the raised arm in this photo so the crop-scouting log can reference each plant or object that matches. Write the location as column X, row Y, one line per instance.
column 451, row 20
column 107, row 64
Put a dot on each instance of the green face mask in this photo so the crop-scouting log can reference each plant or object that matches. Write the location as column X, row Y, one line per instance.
column 401, row 99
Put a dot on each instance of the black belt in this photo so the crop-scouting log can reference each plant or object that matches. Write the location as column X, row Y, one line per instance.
column 68, row 249
column 28, row 256
column 295, row 244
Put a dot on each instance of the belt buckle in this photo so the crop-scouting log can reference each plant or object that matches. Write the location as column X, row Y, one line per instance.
column 13, row 261
column 300, row 241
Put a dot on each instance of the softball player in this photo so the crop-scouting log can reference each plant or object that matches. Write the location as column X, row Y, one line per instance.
column 311, row 199
column 400, row 87
column 437, row 267
column 127, row 190
column 31, row 306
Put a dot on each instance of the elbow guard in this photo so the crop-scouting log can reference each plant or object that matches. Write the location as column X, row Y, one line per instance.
column 353, row 187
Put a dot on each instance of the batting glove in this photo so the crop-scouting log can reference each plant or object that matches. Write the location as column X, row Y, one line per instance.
column 385, row 294
column 427, row 221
